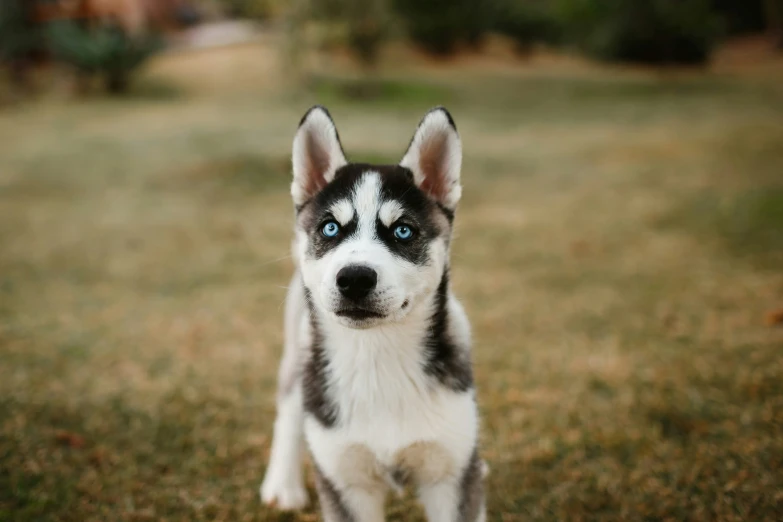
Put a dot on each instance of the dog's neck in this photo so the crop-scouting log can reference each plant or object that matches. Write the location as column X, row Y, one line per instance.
column 381, row 368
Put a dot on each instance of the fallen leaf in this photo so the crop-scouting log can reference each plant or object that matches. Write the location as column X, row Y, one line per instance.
column 70, row 439
column 774, row 317
column 98, row 457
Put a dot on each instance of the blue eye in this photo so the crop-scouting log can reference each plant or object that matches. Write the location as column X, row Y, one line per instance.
column 330, row 229
column 403, row 232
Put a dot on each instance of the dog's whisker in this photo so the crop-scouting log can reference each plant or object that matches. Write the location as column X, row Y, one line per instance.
column 276, row 260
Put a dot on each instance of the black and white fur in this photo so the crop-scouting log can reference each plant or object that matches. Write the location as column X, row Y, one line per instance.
column 376, row 373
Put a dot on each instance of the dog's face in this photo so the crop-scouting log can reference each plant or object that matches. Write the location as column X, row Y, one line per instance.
column 372, row 241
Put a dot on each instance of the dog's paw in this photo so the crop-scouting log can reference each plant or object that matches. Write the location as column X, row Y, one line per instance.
column 282, row 494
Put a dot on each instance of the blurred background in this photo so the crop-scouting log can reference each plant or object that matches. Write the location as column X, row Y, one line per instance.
column 619, row 247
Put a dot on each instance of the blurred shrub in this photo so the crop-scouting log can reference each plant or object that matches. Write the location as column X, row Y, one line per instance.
column 773, row 10
column 648, row 31
column 364, row 24
column 526, row 22
column 653, row 31
column 105, row 51
column 439, row 26
column 741, row 16
column 380, row 91
column 19, row 38
column 365, row 37
column 255, row 9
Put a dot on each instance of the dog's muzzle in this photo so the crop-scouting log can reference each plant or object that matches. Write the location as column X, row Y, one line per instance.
column 356, row 283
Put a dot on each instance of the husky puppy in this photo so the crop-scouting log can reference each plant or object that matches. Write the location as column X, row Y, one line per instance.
column 376, row 373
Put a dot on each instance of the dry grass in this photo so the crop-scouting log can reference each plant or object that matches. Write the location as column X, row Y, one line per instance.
column 619, row 247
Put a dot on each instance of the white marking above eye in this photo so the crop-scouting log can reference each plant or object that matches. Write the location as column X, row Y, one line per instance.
column 342, row 211
column 390, row 212
column 366, row 198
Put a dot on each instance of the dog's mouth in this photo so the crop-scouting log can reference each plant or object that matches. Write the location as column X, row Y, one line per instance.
column 359, row 314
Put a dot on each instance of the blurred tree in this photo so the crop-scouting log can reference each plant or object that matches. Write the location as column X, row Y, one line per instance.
column 362, row 25
column 439, row 26
column 254, row 9
column 102, row 50
column 650, row 31
column 741, row 16
column 654, row 31
column 774, row 15
column 527, row 22
column 20, row 39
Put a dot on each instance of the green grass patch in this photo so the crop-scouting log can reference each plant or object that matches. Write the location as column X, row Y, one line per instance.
column 747, row 223
column 378, row 91
column 150, row 88
column 236, row 175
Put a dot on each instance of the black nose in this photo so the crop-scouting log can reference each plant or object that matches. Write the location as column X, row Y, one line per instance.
column 356, row 281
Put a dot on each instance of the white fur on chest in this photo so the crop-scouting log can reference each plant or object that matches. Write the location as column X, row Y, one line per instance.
column 386, row 402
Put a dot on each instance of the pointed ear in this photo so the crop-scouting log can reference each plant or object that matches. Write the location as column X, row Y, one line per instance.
column 317, row 154
column 435, row 157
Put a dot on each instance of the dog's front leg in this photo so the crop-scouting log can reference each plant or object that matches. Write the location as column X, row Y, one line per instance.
column 456, row 500
column 283, row 485
column 349, row 503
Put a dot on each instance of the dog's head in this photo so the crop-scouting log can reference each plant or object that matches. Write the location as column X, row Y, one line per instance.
column 372, row 240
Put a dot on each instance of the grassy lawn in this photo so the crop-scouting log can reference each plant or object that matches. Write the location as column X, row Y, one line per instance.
column 619, row 250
